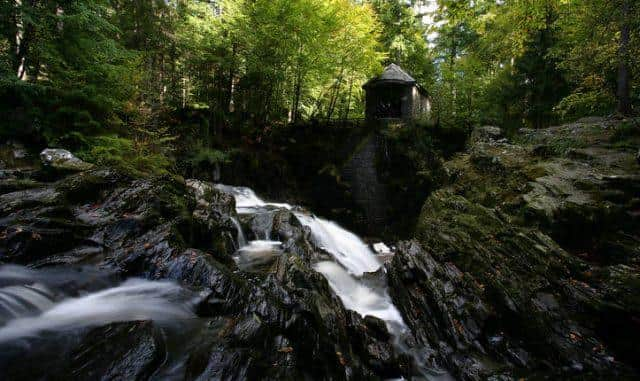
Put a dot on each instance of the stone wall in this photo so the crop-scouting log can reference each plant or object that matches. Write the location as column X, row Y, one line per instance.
column 367, row 190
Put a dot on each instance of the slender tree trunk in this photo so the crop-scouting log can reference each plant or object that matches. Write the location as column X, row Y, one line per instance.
column 25, row 32
column 624, row 101
column 452, row 58
column 335, row 93
column 296, row 92
column 346, row 113
column 230, row 85
column 10, row 29
column 298, row 84
column 318, row 104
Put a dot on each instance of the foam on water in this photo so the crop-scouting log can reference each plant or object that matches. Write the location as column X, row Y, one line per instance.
column 358, row 297
column 344, row 246
column 257, row 254
column 247, row 200
column 352, row 256
column 242, row 241
column 135, row 299
column 352, row 259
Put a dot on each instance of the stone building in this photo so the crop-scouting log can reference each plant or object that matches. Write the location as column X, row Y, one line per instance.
column 395, row 95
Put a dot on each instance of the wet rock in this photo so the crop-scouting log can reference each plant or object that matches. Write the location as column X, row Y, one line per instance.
column 19, row 200
column 491, row 288
column 120, row 351
column 285, row 324
column 211, row 202
column 90, row 185
column 61, row 159
column 295, row 237
column 282, row 225
column 289, row 325
column 28, row 243
column 444, row 311
column 215, row 211
column 486, row 134
column 259, row 225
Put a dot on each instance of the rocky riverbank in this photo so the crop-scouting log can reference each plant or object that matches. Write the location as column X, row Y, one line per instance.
column 526, row 263
column 524, row 266
column 286, row 324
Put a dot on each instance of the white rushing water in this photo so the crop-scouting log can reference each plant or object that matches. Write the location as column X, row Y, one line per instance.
column 30, row 309
column 257, row 253
column 356, row 296
column 242, row 241
column 247, row 201
column 352, row 259
column 343, row 245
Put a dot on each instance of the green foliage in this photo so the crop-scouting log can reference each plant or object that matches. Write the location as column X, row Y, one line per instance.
column 579, row 104
column 125, row 154
column 305, row 57
column 36, row 112
column 403, row 37
column 208, row 157
column 531, row 63
column 627, row 131
column 589, row 50
column 110, row 77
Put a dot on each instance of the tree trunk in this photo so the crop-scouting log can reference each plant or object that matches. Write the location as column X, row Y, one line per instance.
column 623, row 93
column 230, row 86
column 624, row 101
column 24, row 37
column 346, row 113
column 297, row 91
column 335, row 93
column 10, row 31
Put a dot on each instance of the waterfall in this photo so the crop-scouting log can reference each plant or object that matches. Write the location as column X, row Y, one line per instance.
column 347, row 248
column 346, row 273
column 24, row 300
column 31, row 308
column 242, row 241
column 257, row 255
column 352, row 259
column 246, row 199
column 356, row 296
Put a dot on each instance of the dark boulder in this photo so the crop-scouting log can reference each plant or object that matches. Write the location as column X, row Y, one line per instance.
column 491, row 297
column 119, row 351
column 283, row 324
column 486, row 134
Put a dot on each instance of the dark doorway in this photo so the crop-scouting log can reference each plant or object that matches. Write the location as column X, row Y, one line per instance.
column 389, row 103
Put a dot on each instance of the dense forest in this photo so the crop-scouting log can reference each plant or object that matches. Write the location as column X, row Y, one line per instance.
column 336, row 190
column 114, row 80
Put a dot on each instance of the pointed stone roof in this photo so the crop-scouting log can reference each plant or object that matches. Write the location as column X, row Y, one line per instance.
column 392, row 73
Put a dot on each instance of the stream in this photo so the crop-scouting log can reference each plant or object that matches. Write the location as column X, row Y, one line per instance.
column 45, row 308
column 346, row 272
column 352, row 258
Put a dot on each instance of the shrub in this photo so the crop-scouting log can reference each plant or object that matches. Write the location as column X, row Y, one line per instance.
column 581, row 104
column 626, row 133
column 37, row 113
column 133, row 158
column 207, row 157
